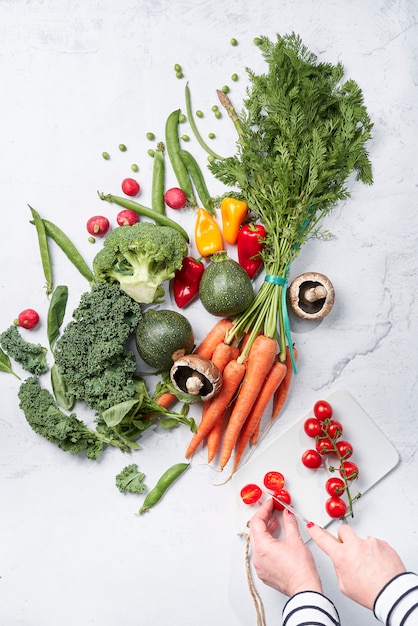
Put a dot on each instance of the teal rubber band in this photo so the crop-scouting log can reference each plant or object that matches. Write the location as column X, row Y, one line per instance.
column 281, row 281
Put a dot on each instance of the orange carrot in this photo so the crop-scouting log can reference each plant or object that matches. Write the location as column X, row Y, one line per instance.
column 260, row 361
column 165, row 399
column 216, row 335
column 214, row 438
column 283, row 390
column 270, row 384
column 231, row 380
column 222, row 354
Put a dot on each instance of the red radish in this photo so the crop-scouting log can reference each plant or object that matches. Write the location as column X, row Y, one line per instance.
column 130, row 186
column 98, row 225
column 127, row 217
column 28, row 319
column 175, row 198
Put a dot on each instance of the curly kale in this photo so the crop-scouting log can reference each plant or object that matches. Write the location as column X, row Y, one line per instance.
column 130, row 480
column 91, row 353
column 66, row 431
column 31, row 356
column 140, row 258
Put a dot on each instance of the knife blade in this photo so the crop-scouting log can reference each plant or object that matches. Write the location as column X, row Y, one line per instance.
column 290, row 508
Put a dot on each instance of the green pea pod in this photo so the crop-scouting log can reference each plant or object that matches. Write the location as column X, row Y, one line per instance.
column 173, row 149
column 69, row 250
column 56, row 313
column 160, row 219
column 158, row 180
column 43, row 249
column 194, row 128
column 162, row 485
column 198, row 180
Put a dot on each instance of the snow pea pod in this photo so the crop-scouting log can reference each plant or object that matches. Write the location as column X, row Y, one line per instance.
column 162, row 485
column 43, row 249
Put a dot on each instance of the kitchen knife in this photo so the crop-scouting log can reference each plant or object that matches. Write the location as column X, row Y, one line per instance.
column 290, row 508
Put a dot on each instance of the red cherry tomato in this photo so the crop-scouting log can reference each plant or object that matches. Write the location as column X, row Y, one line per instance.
column 334, row 429
column 345, row 449
column 127, row 217
column 312, row 427
column 283, row 495
column 311, row 459
column 350, row 470
column 335, row 507
column 322, row 410
column 274, row 481
column 324, row 446
column 28, row 318
column 335, row 486
column 251, row 493
column 175, row 198
column 130, row 186
column 98, row 225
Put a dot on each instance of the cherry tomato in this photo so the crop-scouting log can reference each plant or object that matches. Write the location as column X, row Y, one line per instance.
column 350, row 470
column 312, row 427
column 335, row 507
column 175, row 198
column 284, row 495
column 28, row 318
column 345, row 449
column 335, row 486
column 324, row 446
column 311, row 459
column 274, row 481
column 127, row 217
column 98, row 225
column 322, row 410
column 130, row 186
column 334, row 429
column 251, row 493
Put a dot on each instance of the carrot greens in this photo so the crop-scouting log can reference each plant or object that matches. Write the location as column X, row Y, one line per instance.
column 302, row 132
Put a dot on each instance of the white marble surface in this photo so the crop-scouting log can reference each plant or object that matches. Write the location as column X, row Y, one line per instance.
column 80, row 77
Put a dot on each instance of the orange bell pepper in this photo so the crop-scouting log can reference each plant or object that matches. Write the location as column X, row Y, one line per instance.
column 233, row 212
column 207, row 234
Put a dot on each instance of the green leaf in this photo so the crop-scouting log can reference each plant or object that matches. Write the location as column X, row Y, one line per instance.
column 6, row 364
column 56, row 313
column 115, row 414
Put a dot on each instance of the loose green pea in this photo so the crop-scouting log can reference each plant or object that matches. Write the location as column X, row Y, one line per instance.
column 199, row 113
column 185, row 137
column 218, row 115
column 177, row 68
column 91, row 240
column 182, row 118
column 257, row 41
column 179, row 74
column 122, row 147
column 234, row 77
column 225, row 89
column 211, row 135
column 150, row 136
column 106, row 156
column 151, row 152
column 134, row 167
column 215, row 107
column 211, row 158
column 234, row 42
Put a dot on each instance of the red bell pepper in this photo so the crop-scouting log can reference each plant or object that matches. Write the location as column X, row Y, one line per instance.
column 186, row 281
column 250, row 243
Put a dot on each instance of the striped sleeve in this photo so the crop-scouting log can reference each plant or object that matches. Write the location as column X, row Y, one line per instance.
column 310, row 608
column 397, row 603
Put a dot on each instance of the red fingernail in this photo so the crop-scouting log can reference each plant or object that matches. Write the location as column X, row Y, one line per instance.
column 289, row 512
column 310, row 524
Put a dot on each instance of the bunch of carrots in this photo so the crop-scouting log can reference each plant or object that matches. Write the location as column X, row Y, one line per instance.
column 250, row 380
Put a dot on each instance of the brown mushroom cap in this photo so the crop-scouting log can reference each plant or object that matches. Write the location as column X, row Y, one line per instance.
column 311, row 296
column 197, row 376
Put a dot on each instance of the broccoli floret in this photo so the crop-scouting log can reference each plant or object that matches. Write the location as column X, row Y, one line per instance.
column 31, row 356
column 140, row 258
column 91, row 353
column 131, row 480
column 66, row 431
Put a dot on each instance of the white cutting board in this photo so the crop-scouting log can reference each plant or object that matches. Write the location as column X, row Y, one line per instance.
column 373, row 453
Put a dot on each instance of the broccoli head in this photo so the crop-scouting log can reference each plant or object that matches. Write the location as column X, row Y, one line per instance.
column 31, row 356
column 91, row 353
column 140, row 258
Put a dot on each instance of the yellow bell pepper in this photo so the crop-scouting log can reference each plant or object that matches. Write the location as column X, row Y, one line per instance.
column 233, row 212
column 207, row 234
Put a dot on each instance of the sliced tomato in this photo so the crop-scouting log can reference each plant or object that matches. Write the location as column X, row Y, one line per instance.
column 273, row 481
column 335, row 507
column 284, row 495
column 251, row 493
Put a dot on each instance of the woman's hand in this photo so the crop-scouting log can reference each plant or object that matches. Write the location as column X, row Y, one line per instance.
column 363, row 566
column 286, row 564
